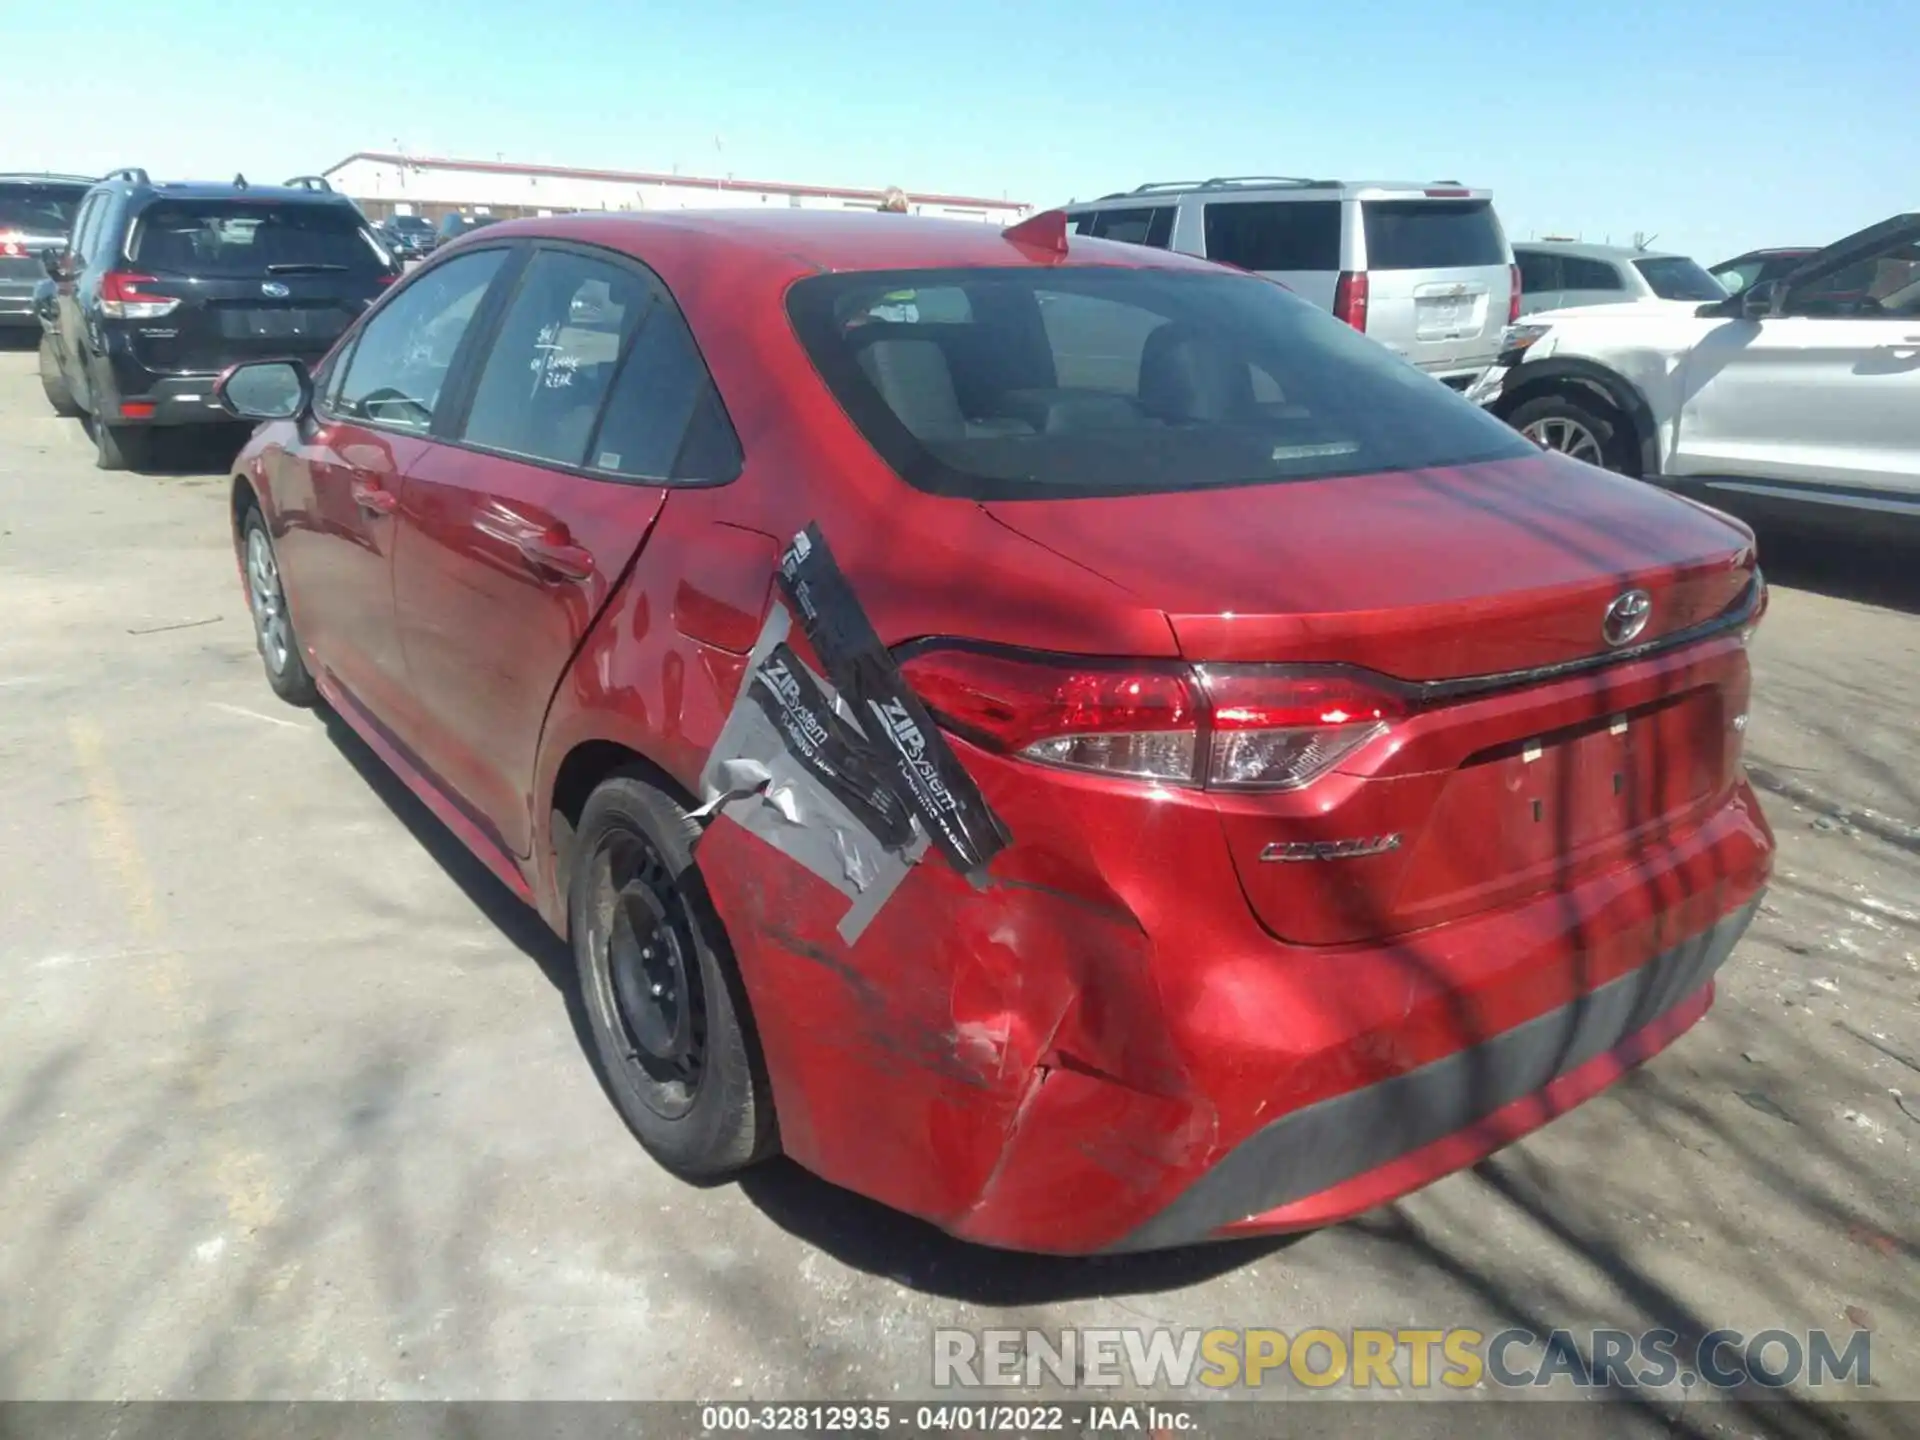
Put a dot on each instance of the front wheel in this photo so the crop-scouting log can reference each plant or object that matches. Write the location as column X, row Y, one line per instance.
column 1593, row 432
column 272, row 626
column 662, row 997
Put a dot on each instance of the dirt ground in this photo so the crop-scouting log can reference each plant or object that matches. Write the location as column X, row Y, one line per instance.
column 293, row 1101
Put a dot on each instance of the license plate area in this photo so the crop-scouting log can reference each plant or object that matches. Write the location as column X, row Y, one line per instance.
column 1449, row 317
column 273, row 322
column 1545, row 809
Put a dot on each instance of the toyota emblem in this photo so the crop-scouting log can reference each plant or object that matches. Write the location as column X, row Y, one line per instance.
column 274, row 290
column 1626, row 617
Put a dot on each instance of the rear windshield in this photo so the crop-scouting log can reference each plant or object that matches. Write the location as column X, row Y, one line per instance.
column 1432, row 234
column 39, row 209
column 1046, row 384
column 1674, row 277
column 411, row 222
column 238, row 237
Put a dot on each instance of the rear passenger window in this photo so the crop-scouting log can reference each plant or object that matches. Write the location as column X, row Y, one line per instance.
column 1538, row 273
column 1275, row 234
column 1142, row 225
column 553, row 362
column 400, row 364
column 1589, row 274
column 664, row 420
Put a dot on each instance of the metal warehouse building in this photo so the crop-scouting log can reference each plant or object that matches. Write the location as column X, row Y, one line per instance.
column 386, row 185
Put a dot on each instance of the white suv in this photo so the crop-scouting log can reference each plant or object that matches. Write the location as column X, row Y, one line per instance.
column 1425, row 269
column 1802, row 389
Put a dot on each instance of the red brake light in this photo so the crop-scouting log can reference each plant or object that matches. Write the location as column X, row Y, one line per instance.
column 1350, row 298
column 11, row 244
column 1513, row 296
column 1221, row 726
column 1448, row 193
column 122, row 298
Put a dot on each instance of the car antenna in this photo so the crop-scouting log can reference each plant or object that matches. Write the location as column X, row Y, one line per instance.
column 1045, row 231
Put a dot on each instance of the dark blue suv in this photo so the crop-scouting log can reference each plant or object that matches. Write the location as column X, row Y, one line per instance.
column 160, row 287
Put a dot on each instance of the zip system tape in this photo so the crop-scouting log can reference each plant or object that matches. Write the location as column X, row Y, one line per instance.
column 927, row 774
column 846, row 773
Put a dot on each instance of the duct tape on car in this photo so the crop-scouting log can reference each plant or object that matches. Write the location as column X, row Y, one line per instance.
column 845, row 773
column 927, row 775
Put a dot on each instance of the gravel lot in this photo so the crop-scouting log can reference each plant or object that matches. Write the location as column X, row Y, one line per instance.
column 293, row 1100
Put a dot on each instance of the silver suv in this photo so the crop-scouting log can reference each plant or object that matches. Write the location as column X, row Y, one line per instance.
column 1425, row 269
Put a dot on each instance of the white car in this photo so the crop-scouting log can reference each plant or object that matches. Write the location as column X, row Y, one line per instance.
column 1560, row 274
column 1803, row 389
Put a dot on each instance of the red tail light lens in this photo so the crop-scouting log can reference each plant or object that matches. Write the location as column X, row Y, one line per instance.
column 1513, row 296
column 123, row 296
column 1350, row 298
column 1221, row 726
column 12, row 244
column 1275, row 729
column 1122, row 720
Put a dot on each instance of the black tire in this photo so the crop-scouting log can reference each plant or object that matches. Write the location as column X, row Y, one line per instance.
column 118, row 447
column 59, row 394
column 273, row 633
column 669, row 1017
column 1608, row 428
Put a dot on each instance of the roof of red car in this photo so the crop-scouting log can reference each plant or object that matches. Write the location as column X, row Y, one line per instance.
column 837, row 240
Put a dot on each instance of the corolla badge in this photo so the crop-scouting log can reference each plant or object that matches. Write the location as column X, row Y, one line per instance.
column 1626, row 617
column 274, row 290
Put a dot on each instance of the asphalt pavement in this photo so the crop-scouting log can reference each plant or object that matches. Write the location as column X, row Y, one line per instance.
column 294, row 1104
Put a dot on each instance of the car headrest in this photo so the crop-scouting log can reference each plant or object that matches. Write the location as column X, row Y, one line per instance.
column 1184, row 376
column 914, row 379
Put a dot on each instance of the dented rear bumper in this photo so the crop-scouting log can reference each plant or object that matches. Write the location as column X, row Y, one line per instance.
column 1040, row 1067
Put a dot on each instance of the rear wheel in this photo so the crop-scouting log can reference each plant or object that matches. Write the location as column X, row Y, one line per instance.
column 272, row 626
column 1582, row 429
column 662, row 997
column 59, row 394
column 118, row 447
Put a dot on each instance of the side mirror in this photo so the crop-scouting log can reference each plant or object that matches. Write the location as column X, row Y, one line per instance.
column 265, row 390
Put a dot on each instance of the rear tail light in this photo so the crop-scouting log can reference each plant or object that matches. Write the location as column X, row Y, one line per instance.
column 12, row 244
column 1350, row 298
column 1513, row 296
column 136, row 409
column 1223, row 727
column 123, row 296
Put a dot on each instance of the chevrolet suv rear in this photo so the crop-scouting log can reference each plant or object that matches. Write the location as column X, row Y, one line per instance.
column 160, row 287
column 1425, row 269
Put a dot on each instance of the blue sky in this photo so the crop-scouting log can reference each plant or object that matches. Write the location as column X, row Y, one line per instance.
column 1715, row 127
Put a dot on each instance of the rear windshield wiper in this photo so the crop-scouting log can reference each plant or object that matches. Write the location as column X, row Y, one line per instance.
column 303, row 267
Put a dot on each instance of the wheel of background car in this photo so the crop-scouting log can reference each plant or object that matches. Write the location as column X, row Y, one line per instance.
column 1585, row 430
column 118, row 447
column 668, row 1014
column 272, row 624
column 59, row 394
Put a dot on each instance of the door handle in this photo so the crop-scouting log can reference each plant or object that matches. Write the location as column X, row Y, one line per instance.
column 557, row 556
column 371, row 497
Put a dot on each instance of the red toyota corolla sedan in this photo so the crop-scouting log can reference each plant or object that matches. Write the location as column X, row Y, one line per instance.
column 1064, row 739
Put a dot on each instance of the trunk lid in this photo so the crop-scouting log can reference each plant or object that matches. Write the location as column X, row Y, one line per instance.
column 1438, row 279
column 255, row 279
column 1481, row 795
column 1423, row 575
